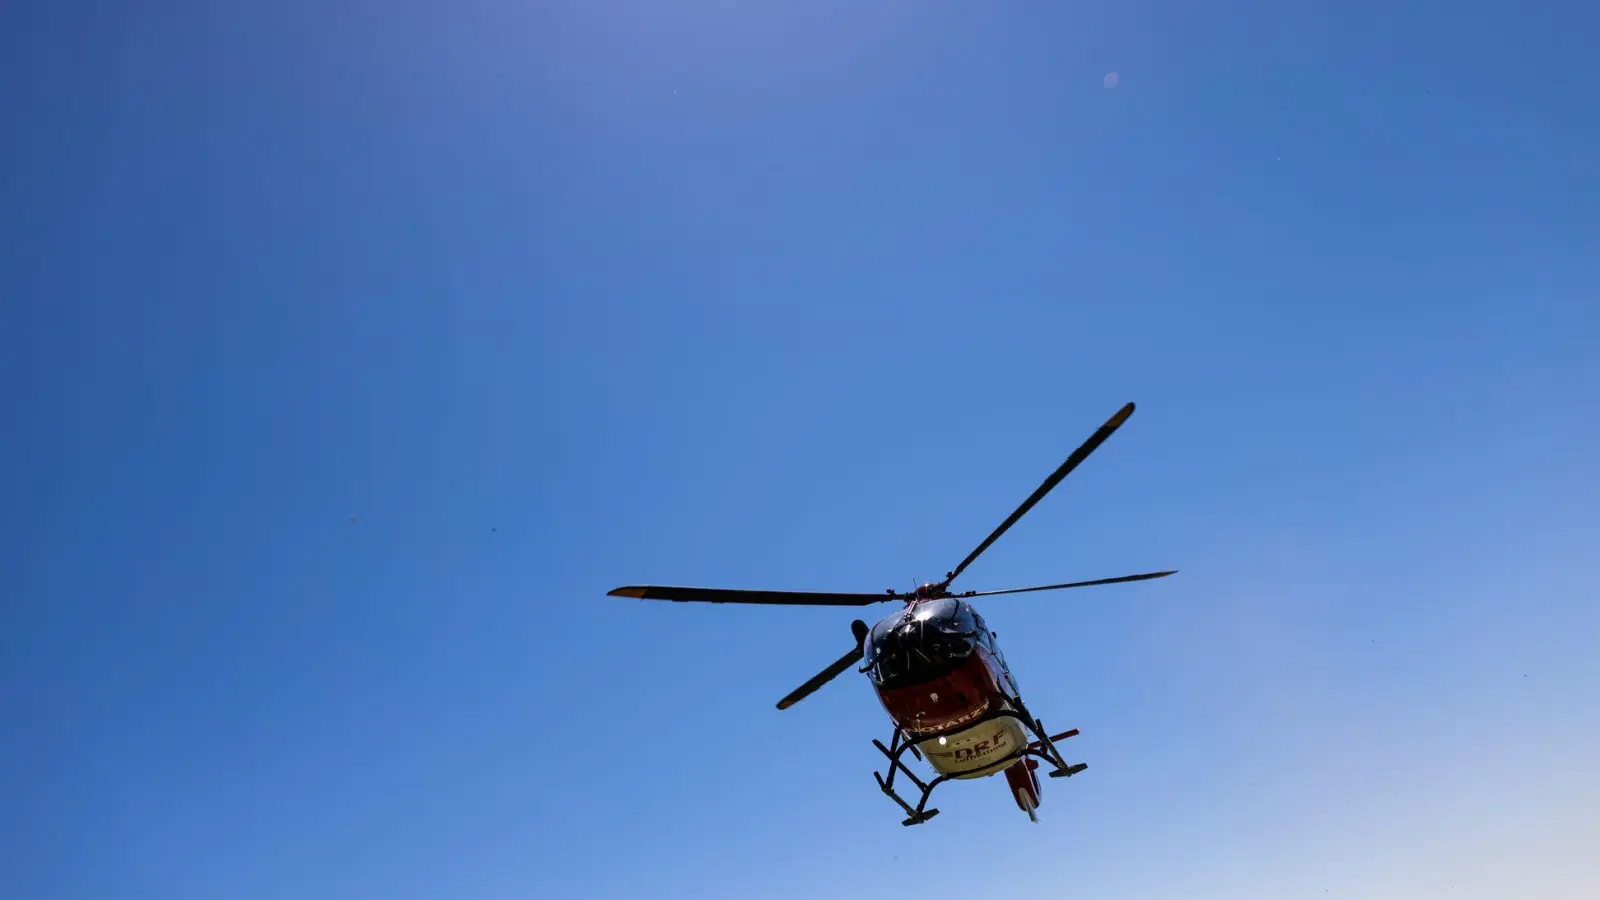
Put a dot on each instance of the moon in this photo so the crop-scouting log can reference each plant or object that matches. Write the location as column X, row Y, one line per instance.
column 1112, row 79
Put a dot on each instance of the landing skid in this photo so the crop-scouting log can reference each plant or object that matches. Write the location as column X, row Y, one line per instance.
column 1043, row 748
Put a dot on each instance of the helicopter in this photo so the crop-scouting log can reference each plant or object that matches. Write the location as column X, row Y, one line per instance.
column 938, row 671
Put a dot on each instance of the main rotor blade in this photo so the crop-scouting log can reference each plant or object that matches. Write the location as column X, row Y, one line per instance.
column 1057, row 587
column 720, row 595
column 1078, row 456
column 820, row 679
column 831, row 672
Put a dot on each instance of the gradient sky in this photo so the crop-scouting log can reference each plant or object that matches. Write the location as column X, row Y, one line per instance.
column 355, row 350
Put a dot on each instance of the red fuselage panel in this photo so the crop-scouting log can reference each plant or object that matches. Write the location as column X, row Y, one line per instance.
column 947, row 701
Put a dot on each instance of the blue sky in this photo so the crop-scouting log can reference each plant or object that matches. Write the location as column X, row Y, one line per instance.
column 553, row 298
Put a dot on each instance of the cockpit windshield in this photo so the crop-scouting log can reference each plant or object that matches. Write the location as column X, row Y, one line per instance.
column 925, row 641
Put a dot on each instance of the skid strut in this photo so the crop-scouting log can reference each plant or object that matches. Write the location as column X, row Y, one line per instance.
column 1044, row 747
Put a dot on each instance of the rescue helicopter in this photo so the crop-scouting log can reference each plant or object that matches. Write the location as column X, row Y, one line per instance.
column 938, row 672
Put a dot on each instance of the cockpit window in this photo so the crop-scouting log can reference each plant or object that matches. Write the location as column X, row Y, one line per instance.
column 924, row 642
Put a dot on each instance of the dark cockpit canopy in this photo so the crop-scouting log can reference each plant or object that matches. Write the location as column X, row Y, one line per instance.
column 921, row 642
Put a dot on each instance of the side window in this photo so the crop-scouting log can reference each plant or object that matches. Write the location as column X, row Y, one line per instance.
column 985, row 639
column 1005, row 666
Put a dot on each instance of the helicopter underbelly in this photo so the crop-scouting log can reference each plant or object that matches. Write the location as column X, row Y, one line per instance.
column 983, row 749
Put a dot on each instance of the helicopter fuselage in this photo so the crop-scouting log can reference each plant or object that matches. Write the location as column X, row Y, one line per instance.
column 939, row 673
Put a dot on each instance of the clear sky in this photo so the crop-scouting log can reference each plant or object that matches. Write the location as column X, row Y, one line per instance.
column 355, row 350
